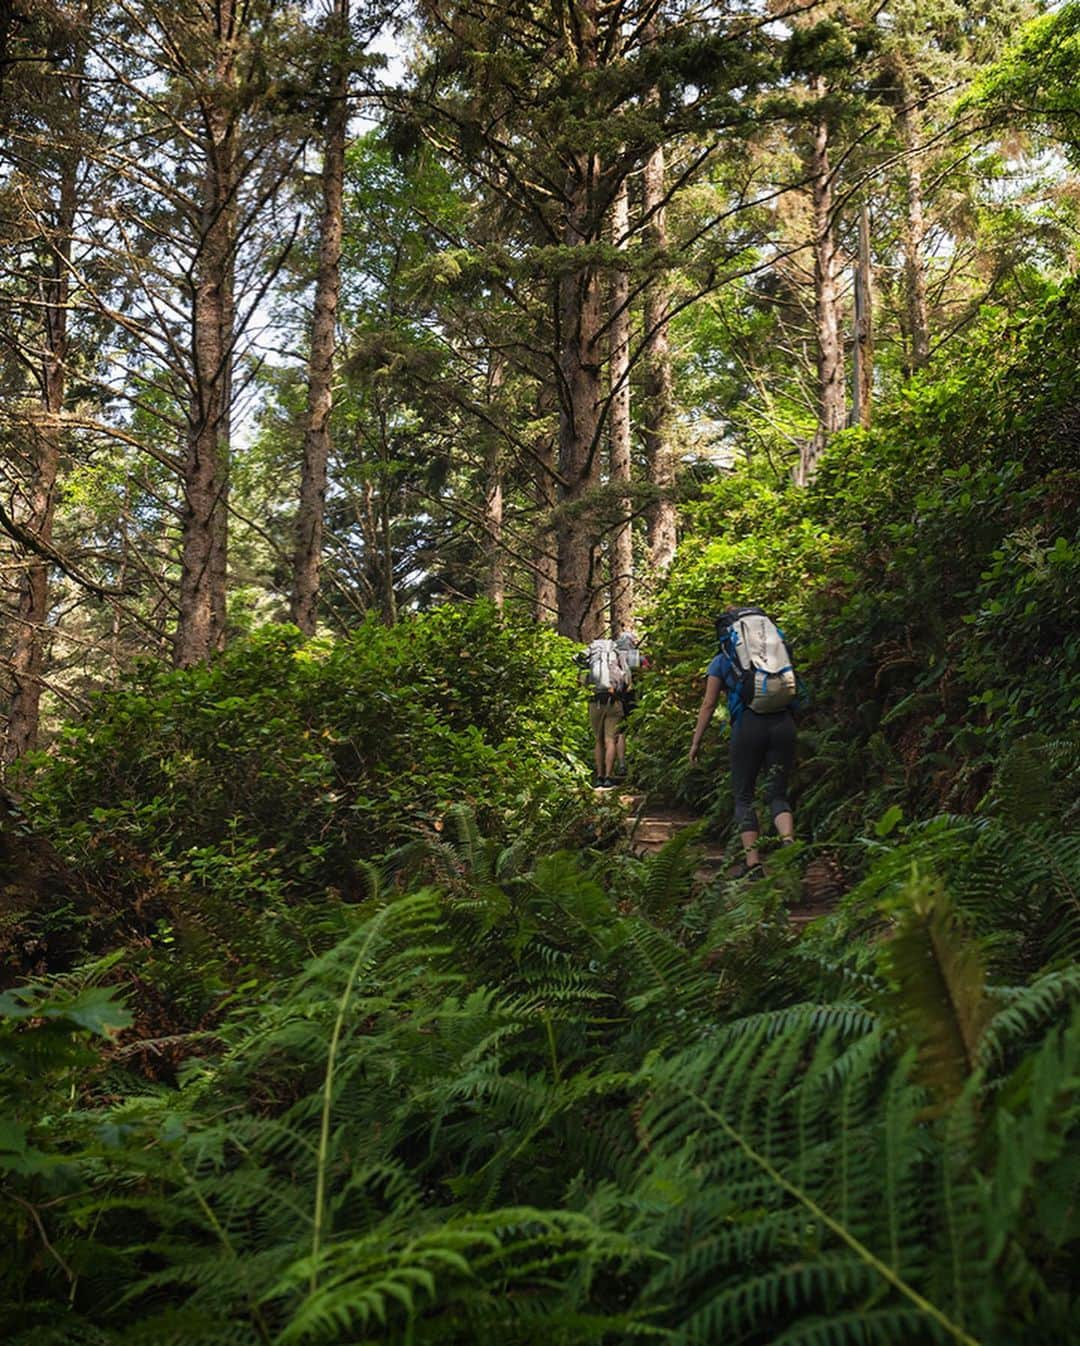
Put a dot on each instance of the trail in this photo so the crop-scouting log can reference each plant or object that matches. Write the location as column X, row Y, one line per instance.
column 650, row 826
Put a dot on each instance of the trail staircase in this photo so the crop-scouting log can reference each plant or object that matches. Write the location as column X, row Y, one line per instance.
column 650, row 827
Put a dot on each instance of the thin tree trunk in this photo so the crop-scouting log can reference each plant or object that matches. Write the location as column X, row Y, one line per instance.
column 310, row 517
column 494, row 555
column 622, row 541
column 918, row 323
column 864, row 327
column 389, row 594
column 830, row 350
column 545, row 495
column 200, row 629
column 32, row 604
column 493, row 521
column 659, row 449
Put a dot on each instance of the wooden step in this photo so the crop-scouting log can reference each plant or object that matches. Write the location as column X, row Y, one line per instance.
column 803, row 915
column 653, row 829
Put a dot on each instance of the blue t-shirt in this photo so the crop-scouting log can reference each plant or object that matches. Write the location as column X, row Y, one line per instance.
column 724, row 668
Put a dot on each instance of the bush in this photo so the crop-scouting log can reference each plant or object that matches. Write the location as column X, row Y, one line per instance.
column 928, row 580
column 202, row 809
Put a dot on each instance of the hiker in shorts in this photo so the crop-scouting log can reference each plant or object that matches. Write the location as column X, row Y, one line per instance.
column 605, row 717
column 762, row 741
column 604, row 672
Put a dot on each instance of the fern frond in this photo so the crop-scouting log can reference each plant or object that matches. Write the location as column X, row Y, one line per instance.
column 756, row 1301
column 390, row 1280
column 1036, row 774
column 1037, row 1114
column 669, row 873
column 864, row 1327
column 763, row 1118
column 938, row 987
column 1026, row 1011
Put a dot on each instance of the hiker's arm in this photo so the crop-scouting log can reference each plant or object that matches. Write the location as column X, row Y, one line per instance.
column 713, row 688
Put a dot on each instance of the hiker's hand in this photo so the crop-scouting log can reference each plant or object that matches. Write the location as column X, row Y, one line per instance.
column 693, row 754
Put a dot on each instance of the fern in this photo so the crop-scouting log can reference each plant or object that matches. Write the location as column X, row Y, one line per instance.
column 669, row 874
column 764, row 1120
column 938, row 985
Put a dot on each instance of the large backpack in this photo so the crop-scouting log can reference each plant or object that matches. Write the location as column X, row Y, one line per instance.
column 627, row 645
column 751, row 640
column 607, row 673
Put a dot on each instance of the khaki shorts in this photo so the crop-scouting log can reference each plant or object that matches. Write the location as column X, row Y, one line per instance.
column 606, row 719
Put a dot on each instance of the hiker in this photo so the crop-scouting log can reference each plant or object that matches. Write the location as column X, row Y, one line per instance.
column 607, row 675
column 753, row 666
column 629, row 649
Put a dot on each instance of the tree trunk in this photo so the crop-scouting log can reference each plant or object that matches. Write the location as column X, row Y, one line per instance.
column 493, row 521
column 32, row 604
column 545, row 495
column 863, row 381
column 830, row 350
column 579, row 321
column 389, row 593
column 918, row 323
column 579, row 410
column 311, row 513
column 622, row 541
column 494, row 555
column 203, row 561
column 658, row 383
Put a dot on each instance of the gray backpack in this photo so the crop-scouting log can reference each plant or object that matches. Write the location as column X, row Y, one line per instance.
column 607, row 673
column 627, row 645
column 754, row 644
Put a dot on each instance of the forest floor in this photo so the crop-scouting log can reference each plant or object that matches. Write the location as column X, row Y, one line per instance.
column 651, row 826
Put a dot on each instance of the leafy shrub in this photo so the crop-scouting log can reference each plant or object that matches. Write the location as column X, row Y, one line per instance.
column 204, row 810
column 928, row 580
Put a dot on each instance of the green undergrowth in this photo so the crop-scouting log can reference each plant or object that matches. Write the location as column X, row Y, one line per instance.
column 538, row 1098
column 929, row 580
column 368, row 1031
column 201, row 815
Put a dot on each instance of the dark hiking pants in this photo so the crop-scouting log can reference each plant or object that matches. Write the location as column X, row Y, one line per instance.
column 761, row 745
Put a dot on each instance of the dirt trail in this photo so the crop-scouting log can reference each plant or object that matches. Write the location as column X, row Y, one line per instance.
column 650, row 827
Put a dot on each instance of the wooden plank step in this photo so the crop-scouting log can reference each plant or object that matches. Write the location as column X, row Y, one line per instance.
column 653, row 829
column 804, row 915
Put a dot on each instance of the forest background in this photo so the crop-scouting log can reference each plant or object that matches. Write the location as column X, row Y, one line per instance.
column 340, row 402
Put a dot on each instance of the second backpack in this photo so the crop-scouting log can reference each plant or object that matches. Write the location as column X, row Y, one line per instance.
column 755, row 645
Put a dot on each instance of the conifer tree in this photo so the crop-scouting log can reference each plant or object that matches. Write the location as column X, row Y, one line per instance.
column 549, row 110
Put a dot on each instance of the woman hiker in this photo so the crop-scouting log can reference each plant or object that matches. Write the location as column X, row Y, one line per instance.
column 763, row 740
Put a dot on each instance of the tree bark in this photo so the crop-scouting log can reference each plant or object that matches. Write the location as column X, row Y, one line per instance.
column 659, row 449
column 579, row 411
column 494, row 557
column 579, row 321
column 918, row 323
column 545, row 496
column 622, row 541
column 32, row 603
column 203, row 562
column 863, row 408
column 310, row 517
column 829, row 343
